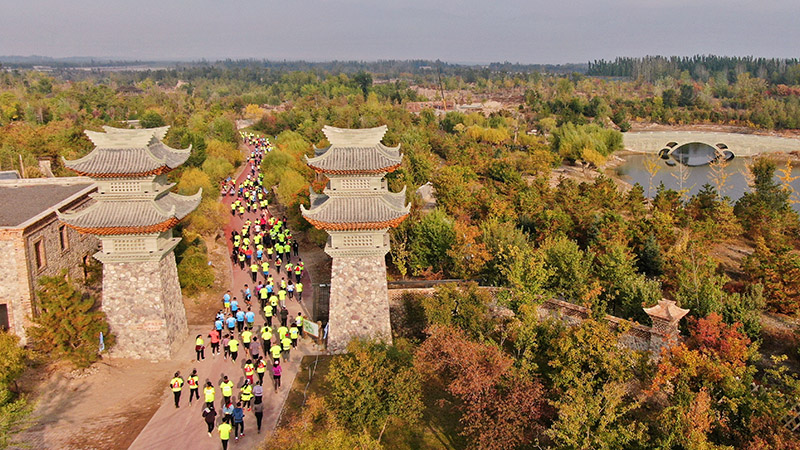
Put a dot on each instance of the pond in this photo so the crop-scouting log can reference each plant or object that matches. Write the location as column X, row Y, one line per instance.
column 679, row 176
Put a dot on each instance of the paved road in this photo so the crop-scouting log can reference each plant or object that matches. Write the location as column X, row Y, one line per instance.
column 184, row 427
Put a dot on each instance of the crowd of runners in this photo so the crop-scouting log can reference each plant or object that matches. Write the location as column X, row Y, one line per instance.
column 265, row 249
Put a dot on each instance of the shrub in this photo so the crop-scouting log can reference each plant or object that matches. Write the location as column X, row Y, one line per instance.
column 570, row 140
column 151, row 119
column 194, row 273
column 69, row 324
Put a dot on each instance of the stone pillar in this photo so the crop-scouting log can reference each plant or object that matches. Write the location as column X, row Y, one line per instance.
column 143, row 302
column 359, row 301
column 666, row 316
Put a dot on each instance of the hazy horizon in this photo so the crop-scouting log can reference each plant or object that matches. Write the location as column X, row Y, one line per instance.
column 466, row 32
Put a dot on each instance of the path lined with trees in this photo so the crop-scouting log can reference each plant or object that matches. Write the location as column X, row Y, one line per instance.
column 185, row 425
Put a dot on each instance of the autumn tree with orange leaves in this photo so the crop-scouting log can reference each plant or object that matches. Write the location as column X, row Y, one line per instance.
column 500, row 408
column 709, row 398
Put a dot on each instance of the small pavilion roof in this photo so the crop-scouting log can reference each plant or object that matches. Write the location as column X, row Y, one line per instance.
column 134, row 216
column 355, row 151
column 666, row 310
column 362, row 212
column 125, row 153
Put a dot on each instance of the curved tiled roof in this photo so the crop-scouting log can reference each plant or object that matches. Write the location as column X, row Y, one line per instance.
column 354, row 137
column 132, row 216
column 356, row 212
column 355, row 152
column 123, row 153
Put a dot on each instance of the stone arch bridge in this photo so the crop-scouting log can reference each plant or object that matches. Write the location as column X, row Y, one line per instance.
column 742, row 145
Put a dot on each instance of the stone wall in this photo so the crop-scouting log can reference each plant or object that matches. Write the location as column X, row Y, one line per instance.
column 79, row 247
column 144, row 307
column 14, row 287
column 19, row 275
column 634, row 335
column 359, row 304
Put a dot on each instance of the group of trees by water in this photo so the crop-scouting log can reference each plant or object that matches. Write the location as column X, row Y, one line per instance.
column 500, row 218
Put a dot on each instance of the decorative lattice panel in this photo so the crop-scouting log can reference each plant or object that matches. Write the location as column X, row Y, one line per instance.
column 129, row 245
column 123, row 186
column 355, row 184
column 357, row 241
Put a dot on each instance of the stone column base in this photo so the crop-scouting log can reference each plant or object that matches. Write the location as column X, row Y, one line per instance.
column 359, row 301
column 144, row 306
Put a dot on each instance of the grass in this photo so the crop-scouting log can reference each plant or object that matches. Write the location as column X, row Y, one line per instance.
column 437, row 429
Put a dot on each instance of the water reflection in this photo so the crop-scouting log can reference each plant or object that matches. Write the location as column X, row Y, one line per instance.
column 694, row 154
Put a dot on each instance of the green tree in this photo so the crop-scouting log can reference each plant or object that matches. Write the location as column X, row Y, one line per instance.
column 194, row 273
column 649, row 259
column 12, row 358
column 514, row 262
column 68, row 324
column 466, row 307
column 569, row 270
column 570, row 141
column 589, row 372
column 223, row 129
column 765, row 211
column 151, row 119
column 429, row 241
column 372, row 384
column 364, row 81
column 14, row 408
column 592, row 420
column 624, row 290
column 687, row 96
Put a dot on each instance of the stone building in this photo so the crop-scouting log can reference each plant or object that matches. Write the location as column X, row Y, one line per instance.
column 33, row 243
column 357, row 209
column 133, row 215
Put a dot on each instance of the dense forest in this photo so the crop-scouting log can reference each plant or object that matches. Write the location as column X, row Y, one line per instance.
column 700, row 68
column 500, row 219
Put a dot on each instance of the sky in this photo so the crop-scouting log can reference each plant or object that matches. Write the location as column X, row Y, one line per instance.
column 467, row 31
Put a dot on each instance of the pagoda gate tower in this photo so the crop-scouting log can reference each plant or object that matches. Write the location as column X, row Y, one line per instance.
column 357, row 209
column 133, row 214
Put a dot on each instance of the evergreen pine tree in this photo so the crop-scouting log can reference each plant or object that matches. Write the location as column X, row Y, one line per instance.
column 68, row 324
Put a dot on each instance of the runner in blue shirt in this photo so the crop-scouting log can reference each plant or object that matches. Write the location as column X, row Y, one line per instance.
column 240, row 320
column 251, row 318
column 234, row 305
column 231, row 322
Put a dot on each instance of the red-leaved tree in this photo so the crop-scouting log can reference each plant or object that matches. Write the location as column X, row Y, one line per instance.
column 499, row 407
